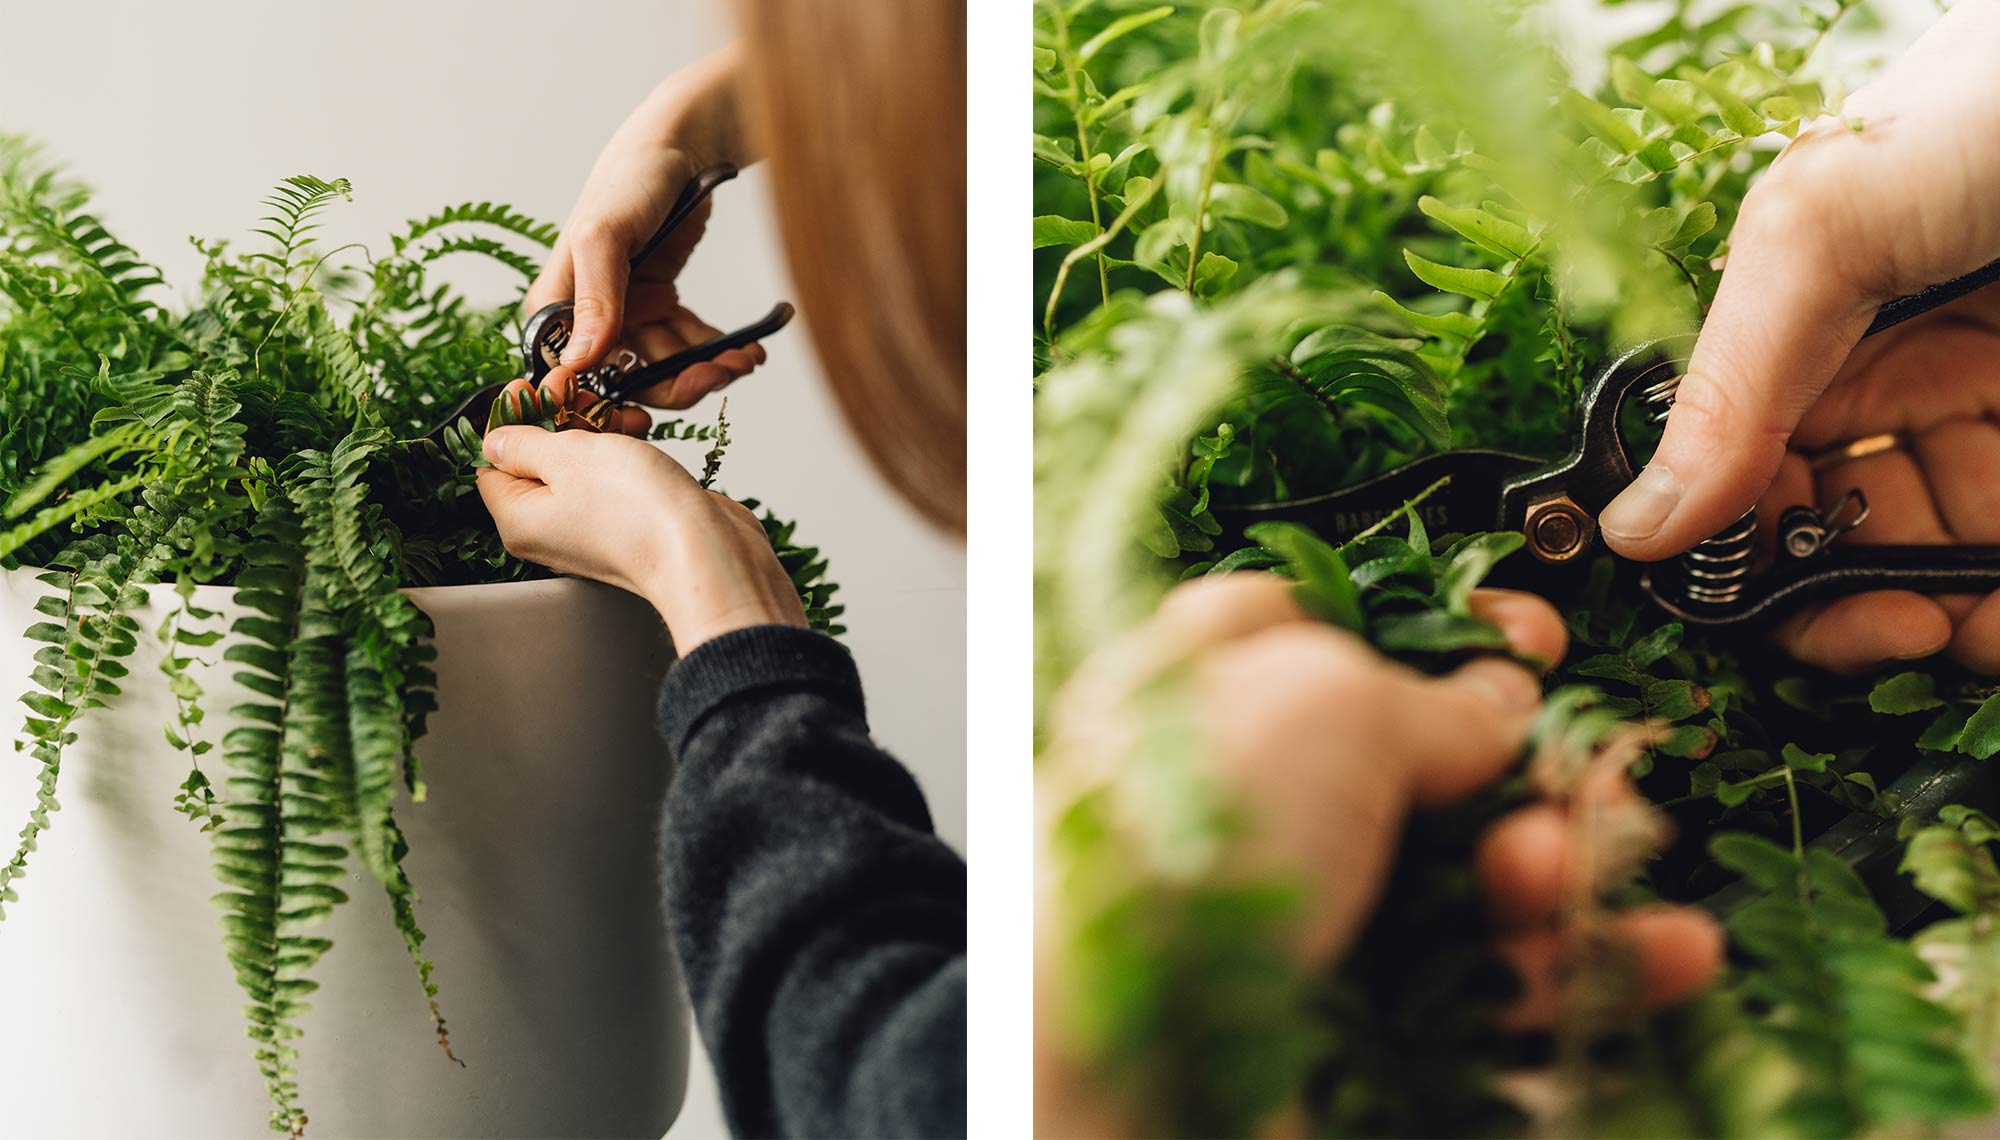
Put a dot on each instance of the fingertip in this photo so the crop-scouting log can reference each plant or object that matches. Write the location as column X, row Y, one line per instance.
column 1675, row 951
column 495, row 445
column 559, row 386
column 1680, row 951
column 633, row 421
column 581, row 351
column 1976, row 643
column 1521, row 862
column 1533, row 628
column 701, row 379
column 1858, row 632
column 1639, row 522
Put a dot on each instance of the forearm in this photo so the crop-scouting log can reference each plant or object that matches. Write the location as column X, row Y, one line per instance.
column 821, row 923
column 698, row 111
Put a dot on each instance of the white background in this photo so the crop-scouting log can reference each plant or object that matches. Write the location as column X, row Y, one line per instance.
column 182, row 115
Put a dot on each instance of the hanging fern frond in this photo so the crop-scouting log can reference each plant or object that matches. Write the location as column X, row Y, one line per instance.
column 81, row 659
column 252, row 855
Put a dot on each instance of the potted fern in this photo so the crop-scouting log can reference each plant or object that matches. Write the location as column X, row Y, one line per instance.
column 252, row 595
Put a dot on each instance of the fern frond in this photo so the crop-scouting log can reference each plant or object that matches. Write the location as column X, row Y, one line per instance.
column 520, row 263
column 342, row 525
column 479, row 213
column 60, row 677
column 678, row 428
column 79, row 505
column 351, row 384
column 196, row 796
column 711, row 463
column 1845, row 994
column 807, row 570
column 295, row 202
column 110, row 445
column 252, row 859
column 81, row 659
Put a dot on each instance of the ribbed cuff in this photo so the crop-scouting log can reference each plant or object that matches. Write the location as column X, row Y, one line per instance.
column 759, row 659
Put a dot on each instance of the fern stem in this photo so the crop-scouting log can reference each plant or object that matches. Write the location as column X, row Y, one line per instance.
column 1073, row 95
column 291, row 299
column 1213, row 158
column 1118, row 224
column 1382, row 523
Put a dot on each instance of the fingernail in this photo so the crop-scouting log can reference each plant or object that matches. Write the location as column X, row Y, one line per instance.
column 1641, row 509
column 495, row 447
column 578, row 348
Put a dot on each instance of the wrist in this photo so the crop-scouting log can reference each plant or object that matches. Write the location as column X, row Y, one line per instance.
column 697, row 111
column 701, row 599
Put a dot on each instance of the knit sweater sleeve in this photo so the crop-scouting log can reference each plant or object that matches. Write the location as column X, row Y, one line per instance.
column 819, row 919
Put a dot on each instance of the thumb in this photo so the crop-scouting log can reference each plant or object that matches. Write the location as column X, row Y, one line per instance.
column 527, row 452
column 1784, row 319
column 602, row 275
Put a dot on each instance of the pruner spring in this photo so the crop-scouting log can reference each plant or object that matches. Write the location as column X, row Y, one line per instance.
column 1727, row 578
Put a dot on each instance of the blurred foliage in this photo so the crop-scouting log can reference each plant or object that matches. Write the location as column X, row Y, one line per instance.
column 1282, row 247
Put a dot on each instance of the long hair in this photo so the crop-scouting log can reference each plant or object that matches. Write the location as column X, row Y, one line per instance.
column 860, row 106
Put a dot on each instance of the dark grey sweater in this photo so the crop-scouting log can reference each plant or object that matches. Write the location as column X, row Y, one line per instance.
column 820, row 921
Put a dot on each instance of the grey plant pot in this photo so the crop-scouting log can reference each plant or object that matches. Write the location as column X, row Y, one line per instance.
column 535, row 856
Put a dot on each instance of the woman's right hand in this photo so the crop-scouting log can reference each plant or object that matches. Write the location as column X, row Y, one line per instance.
column 1896, row 195
column 690, row 122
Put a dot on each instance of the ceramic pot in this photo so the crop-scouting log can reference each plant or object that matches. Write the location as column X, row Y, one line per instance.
column 535, row 858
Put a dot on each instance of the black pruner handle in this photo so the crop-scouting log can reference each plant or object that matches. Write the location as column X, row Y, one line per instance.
column 1838, row 572
column 639, row 379
column 1893, row 313
column 547, row 333
column 693, row 193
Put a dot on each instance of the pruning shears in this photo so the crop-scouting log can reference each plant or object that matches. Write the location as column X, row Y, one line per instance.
column 1724, row 580
column 547, row 332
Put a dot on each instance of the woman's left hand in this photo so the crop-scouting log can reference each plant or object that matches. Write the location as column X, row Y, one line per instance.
column 618, row 509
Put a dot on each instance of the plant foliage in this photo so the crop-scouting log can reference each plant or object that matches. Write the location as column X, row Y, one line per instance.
column 1283, row 247
column 269, row 437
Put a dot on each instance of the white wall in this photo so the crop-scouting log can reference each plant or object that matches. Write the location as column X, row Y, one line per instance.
column 183, row 114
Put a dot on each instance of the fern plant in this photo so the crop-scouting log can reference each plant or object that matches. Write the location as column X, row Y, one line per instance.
column 1282, row 247
column 269, row 438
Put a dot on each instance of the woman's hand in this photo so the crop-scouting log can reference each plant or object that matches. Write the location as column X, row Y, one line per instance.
column 1845, row 220
column 1326, row 747
column 617, row 509
column 1329, row 746
column 690, row 122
